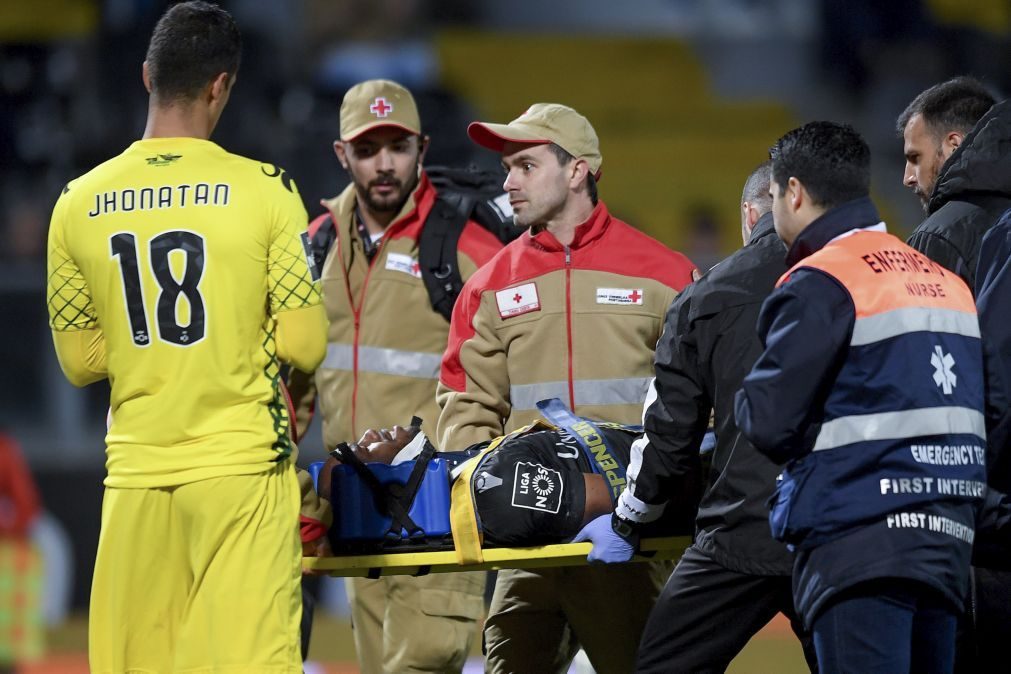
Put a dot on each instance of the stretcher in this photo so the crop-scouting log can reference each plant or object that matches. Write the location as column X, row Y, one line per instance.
column 493, row 559
column 431, row 523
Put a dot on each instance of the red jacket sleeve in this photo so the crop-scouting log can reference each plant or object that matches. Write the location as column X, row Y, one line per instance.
column 19, row 499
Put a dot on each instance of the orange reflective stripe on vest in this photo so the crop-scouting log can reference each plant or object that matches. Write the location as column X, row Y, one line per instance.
column 882, row 274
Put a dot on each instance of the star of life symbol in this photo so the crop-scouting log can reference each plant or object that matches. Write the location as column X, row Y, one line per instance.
column 943, row 376
column 380, row 108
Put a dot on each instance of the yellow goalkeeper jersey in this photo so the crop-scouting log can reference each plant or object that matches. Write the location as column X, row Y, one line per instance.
column 182, row 254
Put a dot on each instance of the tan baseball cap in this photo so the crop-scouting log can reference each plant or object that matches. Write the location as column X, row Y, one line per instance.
column 374, row 103
column 543, row 123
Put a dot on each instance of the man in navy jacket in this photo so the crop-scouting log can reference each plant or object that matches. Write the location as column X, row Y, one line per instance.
column 871, row 387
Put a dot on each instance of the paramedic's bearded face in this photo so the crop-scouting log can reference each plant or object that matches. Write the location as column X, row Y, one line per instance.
column 384, row 165
column 537, row 184
column 926, row 151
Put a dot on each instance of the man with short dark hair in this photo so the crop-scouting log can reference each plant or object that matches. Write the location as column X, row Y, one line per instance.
column 571, row 310
column 735, row 577
column 871, row 387
column 179, row 272
column 952, row 138
column 385, row 344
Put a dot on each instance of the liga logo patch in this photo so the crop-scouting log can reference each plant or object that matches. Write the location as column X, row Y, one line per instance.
column 403, row 263
column 537, row 488
column 619, row 295
column 517, row 301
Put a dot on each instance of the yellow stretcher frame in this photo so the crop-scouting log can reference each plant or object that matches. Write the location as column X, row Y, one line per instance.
column 446, row 561
column 469, row 554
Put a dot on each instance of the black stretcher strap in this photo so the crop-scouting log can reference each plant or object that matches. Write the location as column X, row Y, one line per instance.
column 393, row 499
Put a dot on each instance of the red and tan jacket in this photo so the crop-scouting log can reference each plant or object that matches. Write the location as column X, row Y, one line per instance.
column 543, row 320
column 385, row 341
column 19, row 500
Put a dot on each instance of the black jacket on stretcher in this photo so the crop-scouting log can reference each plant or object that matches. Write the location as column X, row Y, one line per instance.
column 972, row 191
column 709, row 344
column 530, row 489
column 871, row 385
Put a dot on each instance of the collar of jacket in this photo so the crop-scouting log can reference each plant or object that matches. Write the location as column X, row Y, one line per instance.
column 855, row 214
column 586, row 233
column 413, row 213
column 981, row 164
column 762, row 228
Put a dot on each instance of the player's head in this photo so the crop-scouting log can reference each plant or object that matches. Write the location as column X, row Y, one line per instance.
column 934, row 125
column 193, row 57
column 816, row 167
column 756, row 200
column 381, row 145
column 552, row 157
column 522, row 499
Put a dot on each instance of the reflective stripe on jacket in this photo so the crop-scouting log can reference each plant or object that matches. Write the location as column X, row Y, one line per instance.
column 543, row 320
column 385, row 340
column 902, row 426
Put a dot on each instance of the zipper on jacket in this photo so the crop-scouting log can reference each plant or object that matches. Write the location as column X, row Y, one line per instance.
column 357, row 310
column 568, row 323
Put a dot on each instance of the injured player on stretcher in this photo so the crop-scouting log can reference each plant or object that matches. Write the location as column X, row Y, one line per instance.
column 534, row 488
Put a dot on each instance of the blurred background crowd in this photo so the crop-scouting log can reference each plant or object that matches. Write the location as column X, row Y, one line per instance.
column 686, row 96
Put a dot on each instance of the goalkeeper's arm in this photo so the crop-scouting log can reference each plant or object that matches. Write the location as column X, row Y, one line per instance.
column 301, row 337
column 82, row 355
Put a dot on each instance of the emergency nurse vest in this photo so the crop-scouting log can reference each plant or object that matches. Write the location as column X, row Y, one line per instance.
column 903, row 425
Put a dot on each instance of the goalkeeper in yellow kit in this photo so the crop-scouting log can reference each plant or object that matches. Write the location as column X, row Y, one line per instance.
column 179, row 271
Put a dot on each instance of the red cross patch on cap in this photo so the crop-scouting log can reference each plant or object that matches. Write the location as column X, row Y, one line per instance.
column 378, row 103
column 380, row 107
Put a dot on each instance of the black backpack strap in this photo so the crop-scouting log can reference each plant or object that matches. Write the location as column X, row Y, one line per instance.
column 321, row 241
column 406, row 494
column 437, row 250
column 385, row 500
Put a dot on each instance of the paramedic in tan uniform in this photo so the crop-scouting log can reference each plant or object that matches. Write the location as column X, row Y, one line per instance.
column 571, row 310
column 384, row 347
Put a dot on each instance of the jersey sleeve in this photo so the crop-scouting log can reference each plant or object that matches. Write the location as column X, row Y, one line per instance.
column 68, row 297
column 82, row 355
column 293, row 280
column 301, row 337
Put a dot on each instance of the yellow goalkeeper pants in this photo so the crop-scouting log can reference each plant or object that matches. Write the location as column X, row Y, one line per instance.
column 199, row 578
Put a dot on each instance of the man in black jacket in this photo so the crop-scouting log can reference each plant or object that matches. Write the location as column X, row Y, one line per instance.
column 958, row 164
column 735, row 577
column 955, row 143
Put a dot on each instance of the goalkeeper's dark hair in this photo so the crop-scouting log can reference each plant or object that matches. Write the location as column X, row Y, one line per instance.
column 193, row 43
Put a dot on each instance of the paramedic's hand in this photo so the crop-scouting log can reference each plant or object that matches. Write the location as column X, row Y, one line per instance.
column 608, row 546
column 317, row 548
column 325, row 477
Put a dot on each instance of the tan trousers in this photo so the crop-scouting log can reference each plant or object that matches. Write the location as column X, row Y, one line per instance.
column 405, row 624
column 539, row 618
